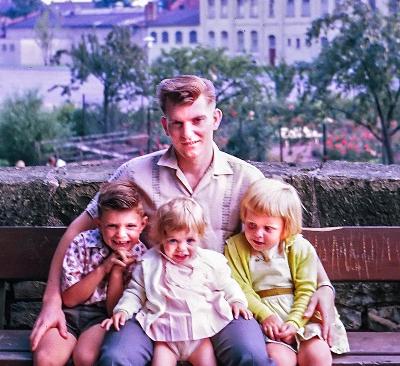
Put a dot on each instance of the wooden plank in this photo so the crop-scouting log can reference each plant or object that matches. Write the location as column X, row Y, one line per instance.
column 358, row 253
column 14, row 340
column 366, row 360
column 26, row 252
column 15, row 359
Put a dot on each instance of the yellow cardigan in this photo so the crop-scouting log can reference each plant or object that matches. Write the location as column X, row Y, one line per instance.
column 303, row 267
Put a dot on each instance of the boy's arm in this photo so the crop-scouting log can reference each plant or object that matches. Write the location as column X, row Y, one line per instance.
column 115, row 288
column 51, row 315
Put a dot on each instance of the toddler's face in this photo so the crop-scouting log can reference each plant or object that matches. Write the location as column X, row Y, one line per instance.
column 261, row 231
column 181, row 245
column 121, row 228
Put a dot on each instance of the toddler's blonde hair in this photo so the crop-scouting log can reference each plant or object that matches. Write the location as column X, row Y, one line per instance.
column 274, row 198
column 176, row 215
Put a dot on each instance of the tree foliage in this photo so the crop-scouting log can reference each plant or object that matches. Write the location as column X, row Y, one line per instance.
column 117, row 63
column 23, row 124
column 358, row 72
column 44, row 32
column 23, row 7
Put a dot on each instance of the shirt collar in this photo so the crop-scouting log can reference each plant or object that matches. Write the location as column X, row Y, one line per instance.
column 219, row 165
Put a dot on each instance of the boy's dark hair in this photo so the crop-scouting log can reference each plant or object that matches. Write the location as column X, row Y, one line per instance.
column 184, row 89
column 120, row 195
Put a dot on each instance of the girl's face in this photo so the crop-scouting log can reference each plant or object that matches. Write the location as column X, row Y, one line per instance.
column 180, row 245
column 261, row 231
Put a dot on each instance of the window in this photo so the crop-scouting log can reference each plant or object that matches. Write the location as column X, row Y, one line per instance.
column 193, row 37
column 224, row 9
column 240, row 41
column 154, row 35
column 324, row 7
column 211, row 9
column 289, row 42
column 211, row 39
column 298, row 44
column 271, row 50
column 164, row 37
column 254, row 41
column 240, row 8
column 271, row 8
column 11, row 47
column 178, row 37
column 224, row 39
column 253, row 8
column 305, row 8
column 290, row 8
column 4, row 47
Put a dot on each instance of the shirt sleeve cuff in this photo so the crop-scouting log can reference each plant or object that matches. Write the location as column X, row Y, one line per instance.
column 327, row 284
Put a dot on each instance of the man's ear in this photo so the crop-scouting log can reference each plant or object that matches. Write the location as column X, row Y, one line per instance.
column 217, row 118
column 164, row 123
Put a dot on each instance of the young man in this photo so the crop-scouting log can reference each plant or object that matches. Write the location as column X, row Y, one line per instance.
column 193, row 166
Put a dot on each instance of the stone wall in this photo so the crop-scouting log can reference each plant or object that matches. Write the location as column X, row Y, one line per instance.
column 333, row 194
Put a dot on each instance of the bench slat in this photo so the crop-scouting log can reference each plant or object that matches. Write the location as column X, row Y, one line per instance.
column 357, row 252
column 366, row 360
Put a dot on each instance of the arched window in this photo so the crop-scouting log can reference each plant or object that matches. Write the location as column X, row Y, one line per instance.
column 178, row 37
column 272, row 49
column 211, row 38
column 254, row 41
column 164, row 37
column 154, row 35
column 211, row 9
column 193, row 37
column 224, row 39
column 224, row 9
column 305, row 8
column 240, row 41
column 240, row 8
column 290, row 8
column 253, row 8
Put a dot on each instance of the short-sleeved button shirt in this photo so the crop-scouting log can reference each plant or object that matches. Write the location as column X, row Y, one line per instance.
column 85, row 253
column 219, row 191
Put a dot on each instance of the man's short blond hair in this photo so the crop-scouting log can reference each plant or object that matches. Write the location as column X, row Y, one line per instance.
column 274, row 198
column 178, row 214
column 184, row 89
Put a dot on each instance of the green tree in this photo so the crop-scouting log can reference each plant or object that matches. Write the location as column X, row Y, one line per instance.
column 23, row 7
column 117, row 63
column 44, row 32
column 23, row 124
column 358, row 72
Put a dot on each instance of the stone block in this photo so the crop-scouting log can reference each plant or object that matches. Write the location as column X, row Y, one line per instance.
column 384, row 319
column 29, row 290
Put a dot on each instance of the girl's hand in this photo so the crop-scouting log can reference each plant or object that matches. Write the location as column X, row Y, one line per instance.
column 118, row 320
column 271, row 327
column 240, row 309
column 287, row 332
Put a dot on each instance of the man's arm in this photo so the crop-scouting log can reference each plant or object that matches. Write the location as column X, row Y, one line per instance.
column 51, row 315
column 324, row 301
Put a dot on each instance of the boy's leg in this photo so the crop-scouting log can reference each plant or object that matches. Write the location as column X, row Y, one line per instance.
column 282, row 355
column 130, row 346
column 314, row 352
column 53, row 349
column 203, row 355
column 88, row 346
column 241, row 343
column 163, row 355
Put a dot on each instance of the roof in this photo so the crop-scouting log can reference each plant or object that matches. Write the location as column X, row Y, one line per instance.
column 176, row 18
column 85, row 20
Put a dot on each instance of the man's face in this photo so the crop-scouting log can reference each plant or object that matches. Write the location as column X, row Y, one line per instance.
column 191, row 127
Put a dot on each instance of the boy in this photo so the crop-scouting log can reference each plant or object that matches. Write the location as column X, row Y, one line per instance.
column 96, row 267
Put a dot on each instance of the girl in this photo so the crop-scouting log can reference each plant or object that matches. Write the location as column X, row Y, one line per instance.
column 181, row 294
column 277, row 270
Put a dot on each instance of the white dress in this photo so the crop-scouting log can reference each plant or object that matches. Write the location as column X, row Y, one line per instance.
column 275, row 273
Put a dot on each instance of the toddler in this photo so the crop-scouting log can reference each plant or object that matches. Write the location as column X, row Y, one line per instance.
column 96, row 267
column 277, row 270
column 181, row 294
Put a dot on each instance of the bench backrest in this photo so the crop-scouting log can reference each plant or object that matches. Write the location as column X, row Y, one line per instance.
column 347, row 253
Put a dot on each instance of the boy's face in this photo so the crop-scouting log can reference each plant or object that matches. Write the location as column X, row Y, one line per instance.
column 262, row 231
column 191, row 127
column 180, row 245
column 121, row 228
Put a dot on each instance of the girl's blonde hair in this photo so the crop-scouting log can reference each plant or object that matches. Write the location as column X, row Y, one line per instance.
column 274, row 198
column 176, row 215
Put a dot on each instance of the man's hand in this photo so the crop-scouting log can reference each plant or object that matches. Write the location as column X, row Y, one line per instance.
column 118, row 320
column 51, row 316
column 323, row 300
column 271, row 326
column 240, row 309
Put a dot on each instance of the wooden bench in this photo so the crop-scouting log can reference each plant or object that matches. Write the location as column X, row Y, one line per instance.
column 348, row 254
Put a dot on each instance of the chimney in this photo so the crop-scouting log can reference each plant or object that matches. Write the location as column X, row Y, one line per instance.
column 150, row 11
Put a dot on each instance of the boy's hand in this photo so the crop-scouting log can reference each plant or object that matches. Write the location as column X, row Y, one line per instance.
column 118, row 320
column 119, row 259
column 271, row 327
column 240, row 309
column 287, row 332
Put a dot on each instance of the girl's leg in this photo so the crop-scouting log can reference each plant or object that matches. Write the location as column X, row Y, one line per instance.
column 87, row 349
column 163, row 356
column 314, row 352
column 282, row 355
column 203, row 355
column 54, row 350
